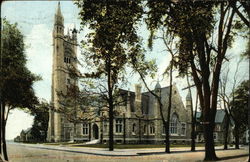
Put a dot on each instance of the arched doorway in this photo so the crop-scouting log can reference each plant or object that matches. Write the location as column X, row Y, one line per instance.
column 95, row 131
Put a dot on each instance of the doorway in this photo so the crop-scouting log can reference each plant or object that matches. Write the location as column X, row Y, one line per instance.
column 95, row 131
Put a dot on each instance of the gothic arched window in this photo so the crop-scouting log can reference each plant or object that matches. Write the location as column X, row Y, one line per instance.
column 152, row 129
column 133, row 128
column 174, row 124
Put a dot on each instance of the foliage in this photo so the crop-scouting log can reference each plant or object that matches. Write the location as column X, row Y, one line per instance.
column 41, row 119
column 16, row 79
column 239, row 106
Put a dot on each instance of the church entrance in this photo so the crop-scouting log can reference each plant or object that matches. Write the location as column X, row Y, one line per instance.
column 95, row 131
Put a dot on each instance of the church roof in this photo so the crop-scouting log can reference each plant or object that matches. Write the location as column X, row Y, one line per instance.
column 219, row 117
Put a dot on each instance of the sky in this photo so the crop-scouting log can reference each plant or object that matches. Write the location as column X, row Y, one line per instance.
column 35, row 20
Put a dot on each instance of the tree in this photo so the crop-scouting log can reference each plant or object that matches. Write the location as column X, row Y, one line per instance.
column 144, row 68
column 239, row 110
column 111, row 43
column 227, row 96
column 16, row 80
column 195, row 23
column 242, row 8
column 41, row 119
column 193, row 115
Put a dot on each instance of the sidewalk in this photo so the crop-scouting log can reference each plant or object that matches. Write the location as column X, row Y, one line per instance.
column 121, row 152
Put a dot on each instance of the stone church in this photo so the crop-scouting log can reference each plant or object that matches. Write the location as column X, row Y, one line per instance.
column 138, row 120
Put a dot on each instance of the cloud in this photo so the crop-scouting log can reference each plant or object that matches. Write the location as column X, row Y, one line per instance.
column 39, row 54
column 16, row 123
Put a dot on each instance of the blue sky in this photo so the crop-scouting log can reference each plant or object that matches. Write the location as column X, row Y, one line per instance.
column 35, row 21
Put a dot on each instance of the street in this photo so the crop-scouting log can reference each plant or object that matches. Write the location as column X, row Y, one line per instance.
column 47, row 153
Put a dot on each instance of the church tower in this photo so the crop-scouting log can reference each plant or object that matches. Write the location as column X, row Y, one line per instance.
column 64, row 56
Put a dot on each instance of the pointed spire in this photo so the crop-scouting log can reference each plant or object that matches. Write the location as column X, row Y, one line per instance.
column 158, row 86
column 74, row 29
column 58, row 12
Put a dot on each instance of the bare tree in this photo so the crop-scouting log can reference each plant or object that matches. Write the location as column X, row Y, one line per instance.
column 227, row 97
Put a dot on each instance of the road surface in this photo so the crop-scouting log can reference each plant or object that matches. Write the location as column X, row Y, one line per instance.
column 44, row 153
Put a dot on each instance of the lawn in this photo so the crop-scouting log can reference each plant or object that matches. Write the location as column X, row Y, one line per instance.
column 131, row 146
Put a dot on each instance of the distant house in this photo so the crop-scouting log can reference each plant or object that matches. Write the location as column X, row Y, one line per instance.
column 219, row 130
column 17, row 139
column 25, row 136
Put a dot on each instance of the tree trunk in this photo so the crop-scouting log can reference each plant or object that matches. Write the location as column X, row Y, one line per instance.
column 124, row 128
column 140, row 130
column 4, row 150
column 209, row 142
column 167, row 146
column 169, row 107
column 74, row 135
column 226, row 131
column 237, row 138
column 110, row 102
column 111, row 118
column 1, row 128
column 193, row 136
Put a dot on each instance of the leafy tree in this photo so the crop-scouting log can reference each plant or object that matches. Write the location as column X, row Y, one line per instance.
column 111, row 43
column 195, row 24
column 41, row 119
column 16, row 80
column 239, row 109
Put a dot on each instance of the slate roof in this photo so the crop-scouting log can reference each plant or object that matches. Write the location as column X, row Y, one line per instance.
column 147, row 99
column 219, row 117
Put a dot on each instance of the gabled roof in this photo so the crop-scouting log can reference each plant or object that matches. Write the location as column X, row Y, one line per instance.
column 219, row 117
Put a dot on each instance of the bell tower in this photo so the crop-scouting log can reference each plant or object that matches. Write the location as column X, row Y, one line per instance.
column 58, row 75
column 64, row 58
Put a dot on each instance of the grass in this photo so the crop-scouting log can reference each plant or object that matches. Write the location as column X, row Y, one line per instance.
column 133, row 146
column 123, row 146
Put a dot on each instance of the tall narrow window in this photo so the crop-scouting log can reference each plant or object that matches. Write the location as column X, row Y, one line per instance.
column 145, row 129
column 152, row 129
column 173, row 124
column 118, row 125
column 183, row 129
column 85, row 129
column 163, row 129
column 105, row 128
column 133, row 128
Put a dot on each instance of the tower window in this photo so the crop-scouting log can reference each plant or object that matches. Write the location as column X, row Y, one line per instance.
column 67, row 60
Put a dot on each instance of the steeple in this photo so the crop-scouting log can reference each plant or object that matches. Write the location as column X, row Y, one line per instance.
column 58, row 16
column 58, row 11
column 158, row 86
